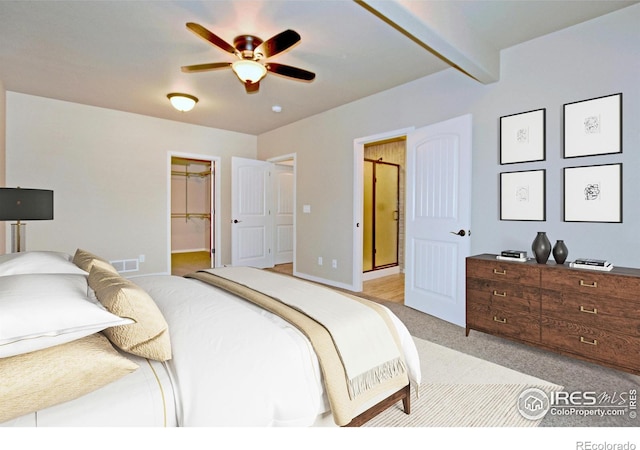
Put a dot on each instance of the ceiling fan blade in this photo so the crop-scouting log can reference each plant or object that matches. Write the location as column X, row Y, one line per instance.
column 204, row 67
column 210, row 37
column 252, row 87
column 278, row 43
column 289, row 71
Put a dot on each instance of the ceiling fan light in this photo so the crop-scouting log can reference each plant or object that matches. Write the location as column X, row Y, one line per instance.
column 249, row 70
column 182, row 102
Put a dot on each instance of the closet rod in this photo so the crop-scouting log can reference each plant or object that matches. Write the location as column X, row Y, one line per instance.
column 203, row 174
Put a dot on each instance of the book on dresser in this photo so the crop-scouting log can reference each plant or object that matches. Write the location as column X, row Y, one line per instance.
column 591, row 264
column 512, row 255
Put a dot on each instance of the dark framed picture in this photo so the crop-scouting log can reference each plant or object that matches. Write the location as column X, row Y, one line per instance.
column 522, row 137
column 522, row 195
column 593, row 193
column 593, row 127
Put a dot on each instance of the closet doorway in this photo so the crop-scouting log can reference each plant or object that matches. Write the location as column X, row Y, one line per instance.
column 193, row 229
column 383, row 208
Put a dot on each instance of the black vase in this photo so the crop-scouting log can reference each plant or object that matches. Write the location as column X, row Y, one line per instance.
column 541, row 247
column 560, row 252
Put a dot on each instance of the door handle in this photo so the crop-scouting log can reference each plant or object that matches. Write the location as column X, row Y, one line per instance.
column 236, row 221
column 459, row 233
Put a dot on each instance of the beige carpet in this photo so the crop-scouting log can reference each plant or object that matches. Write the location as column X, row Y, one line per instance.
column 459, row 390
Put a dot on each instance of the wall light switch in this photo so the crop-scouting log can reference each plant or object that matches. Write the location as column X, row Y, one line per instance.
column 306, row 209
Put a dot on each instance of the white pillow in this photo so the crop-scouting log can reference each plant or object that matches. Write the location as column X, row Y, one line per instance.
column 38, row 262
column 42, row 310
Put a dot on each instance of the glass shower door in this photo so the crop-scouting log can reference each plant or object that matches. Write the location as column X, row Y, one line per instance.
column 380, row 228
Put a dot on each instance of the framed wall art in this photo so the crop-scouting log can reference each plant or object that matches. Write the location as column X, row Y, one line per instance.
column 522, row 137
column 593, row 127
column 522, row 195
column 593, row 193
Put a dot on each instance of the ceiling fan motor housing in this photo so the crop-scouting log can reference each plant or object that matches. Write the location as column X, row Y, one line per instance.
column 246, row 44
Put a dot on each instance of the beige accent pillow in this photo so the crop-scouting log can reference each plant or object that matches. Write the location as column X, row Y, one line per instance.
column 149, row 335
column 86, row 260
column 37, row 380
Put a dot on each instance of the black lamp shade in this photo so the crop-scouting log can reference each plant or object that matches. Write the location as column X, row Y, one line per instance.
column 26, row 204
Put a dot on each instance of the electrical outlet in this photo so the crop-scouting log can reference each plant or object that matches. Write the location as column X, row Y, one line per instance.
column 319, row 260
column 334, row 263
column 141, row 258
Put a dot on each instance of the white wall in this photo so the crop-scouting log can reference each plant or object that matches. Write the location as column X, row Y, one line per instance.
column 596, row 58
column 3, row 103
column 110, row 174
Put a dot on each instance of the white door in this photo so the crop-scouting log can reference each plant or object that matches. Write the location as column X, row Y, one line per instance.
column 251, row 223
column 438, row 218
column 283, row 213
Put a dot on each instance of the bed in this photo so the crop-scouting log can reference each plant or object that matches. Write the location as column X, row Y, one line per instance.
column 168, row 351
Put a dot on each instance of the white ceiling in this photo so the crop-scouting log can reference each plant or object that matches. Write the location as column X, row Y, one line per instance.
column 126, row 55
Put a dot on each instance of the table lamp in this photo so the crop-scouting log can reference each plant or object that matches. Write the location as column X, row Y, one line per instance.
column 24, row 204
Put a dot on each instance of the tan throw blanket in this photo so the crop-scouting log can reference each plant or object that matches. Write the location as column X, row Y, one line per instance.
column 356, row 343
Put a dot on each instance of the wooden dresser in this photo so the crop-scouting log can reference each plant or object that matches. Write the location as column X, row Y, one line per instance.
column 587, row 314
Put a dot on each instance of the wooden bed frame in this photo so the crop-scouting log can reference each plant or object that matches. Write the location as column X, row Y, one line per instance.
column 403, row 394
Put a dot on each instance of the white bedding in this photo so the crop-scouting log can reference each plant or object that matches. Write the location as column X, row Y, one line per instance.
column 251, row 367
column 233, row 363
column 144, row 398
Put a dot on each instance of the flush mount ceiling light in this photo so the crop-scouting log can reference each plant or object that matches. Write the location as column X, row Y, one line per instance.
column 249, row 70
column 182, row 102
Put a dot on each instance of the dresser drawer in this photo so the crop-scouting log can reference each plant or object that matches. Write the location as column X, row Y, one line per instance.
column 502, row 321
column 591, row 282
column 613, row 314
column 606, row 346
column 504, row 295
column 522, row 273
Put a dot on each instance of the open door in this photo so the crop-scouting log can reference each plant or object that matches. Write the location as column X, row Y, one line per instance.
column 251, row 222
column 438, row 218
column 283, row 212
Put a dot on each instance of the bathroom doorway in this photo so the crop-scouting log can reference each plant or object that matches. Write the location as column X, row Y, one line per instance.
column 383, row 212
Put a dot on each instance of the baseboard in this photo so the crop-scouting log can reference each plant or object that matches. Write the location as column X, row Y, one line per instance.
column 193, row 250
column 333, row 283
column 372, row 275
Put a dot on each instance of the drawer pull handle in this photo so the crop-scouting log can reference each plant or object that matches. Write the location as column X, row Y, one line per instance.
column 500, row 272
column 587, row 341
column 495, row 319
column 593, row 285
column 498, row 294
column 588, row 311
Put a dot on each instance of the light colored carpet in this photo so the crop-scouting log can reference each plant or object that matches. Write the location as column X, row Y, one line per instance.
column 459, row 390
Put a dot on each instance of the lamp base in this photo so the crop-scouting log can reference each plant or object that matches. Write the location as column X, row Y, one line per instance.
column 18, row 237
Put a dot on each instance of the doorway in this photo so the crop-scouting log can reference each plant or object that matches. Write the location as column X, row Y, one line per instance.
column 263, row 212
column 383, row 214
column 192, row 194
column 391, row 147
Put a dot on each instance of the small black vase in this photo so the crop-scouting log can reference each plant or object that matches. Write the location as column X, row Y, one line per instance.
column 541, row 247
column 560, row 252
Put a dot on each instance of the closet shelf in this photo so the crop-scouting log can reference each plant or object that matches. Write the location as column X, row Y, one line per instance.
column 190, row 216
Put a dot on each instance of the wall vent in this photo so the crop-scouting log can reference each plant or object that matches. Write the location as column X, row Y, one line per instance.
column 125, row 265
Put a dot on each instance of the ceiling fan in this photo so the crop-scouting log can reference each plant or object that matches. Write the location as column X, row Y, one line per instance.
column 250, row 51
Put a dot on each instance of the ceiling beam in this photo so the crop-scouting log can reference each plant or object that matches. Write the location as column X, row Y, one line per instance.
column 437, row 28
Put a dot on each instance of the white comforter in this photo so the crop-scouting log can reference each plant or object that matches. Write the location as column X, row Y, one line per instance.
column 235, row 364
